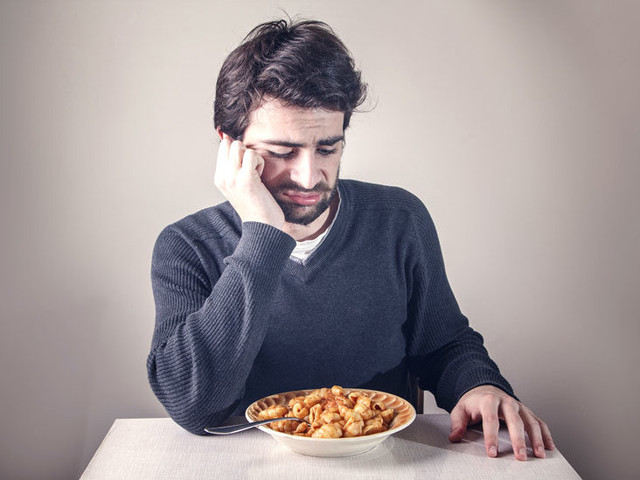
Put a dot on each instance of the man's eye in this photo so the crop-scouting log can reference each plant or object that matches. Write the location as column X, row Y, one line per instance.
column 280, row 155
column 326, row 151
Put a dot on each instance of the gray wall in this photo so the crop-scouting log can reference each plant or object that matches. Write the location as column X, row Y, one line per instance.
column 516, row 123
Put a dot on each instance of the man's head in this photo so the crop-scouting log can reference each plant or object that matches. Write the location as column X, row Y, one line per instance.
column 302, row 64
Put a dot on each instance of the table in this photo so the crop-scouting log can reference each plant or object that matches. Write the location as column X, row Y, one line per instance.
column 157, row 448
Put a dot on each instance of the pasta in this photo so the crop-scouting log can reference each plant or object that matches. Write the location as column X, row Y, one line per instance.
column 331, row 413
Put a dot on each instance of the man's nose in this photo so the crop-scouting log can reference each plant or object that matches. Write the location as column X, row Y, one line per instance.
column 304, row 171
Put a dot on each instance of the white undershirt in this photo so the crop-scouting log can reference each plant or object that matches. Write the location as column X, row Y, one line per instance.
column 305, row 248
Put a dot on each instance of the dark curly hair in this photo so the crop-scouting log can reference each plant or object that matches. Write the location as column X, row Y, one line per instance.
column 302, row 63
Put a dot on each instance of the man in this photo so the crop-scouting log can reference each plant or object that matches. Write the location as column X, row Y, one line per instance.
column 302, row 280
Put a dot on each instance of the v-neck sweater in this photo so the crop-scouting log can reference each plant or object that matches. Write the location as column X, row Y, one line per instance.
column 237, row 319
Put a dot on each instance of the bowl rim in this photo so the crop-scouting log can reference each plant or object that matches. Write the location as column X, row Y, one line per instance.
column 361, row 438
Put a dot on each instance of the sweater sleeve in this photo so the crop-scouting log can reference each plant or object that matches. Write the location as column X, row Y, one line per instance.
column 209, row 331
column 444, row 352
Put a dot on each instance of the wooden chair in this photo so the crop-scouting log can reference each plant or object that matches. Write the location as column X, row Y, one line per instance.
column 416, row 395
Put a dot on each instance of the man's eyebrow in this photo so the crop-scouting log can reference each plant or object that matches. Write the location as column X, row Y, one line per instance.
column 325, row 142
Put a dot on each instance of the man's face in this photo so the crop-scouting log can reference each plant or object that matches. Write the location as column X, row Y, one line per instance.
column 301, row 149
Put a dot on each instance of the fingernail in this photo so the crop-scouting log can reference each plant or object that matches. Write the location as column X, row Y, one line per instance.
column 493, row 451
column 540, row 451
column 523, row 452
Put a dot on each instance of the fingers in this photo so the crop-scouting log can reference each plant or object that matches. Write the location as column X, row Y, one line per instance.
column 516, row 427
column 459, row 421
column 520, row 419
column 490, row 424
column 492, row 405
column 224, row 167
column 234, row 158
column 237, row 176
column 230, row 151
column 546, row 435
column 538, row 432
column 236, row 152
column 534, row 431
column 251, row 163
column 223, row 151
column 229, row 163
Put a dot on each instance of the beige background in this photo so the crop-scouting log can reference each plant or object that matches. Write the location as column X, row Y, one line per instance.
column 516, row 122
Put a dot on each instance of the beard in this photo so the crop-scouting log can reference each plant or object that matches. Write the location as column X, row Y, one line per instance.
column 305, row 214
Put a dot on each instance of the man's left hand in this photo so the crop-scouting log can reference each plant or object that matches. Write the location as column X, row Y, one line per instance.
column 489, row 404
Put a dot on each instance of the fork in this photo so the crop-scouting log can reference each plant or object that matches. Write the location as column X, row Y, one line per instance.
column 229, row 429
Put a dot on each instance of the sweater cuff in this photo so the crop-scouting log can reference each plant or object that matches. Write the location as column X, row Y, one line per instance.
column 262, row 245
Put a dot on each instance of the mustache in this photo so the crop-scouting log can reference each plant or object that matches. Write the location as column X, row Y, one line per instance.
column 321, row 187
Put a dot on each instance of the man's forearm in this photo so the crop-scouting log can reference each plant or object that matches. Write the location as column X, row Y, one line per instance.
column 457, row 367
column 205, row 342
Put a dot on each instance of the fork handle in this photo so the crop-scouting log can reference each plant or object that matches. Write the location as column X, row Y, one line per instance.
column 229, row 429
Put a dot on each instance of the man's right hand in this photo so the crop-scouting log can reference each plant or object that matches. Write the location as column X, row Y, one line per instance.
column 237, row 175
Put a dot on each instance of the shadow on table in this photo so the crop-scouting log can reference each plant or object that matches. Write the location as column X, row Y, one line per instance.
column 416, row 446
column 437, row 436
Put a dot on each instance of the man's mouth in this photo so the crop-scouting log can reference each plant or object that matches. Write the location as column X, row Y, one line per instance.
column 300, row 198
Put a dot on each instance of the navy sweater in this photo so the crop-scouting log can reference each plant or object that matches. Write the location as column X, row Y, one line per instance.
column 237, row 319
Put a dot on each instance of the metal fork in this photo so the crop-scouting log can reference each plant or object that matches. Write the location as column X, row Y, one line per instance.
column 229, row 429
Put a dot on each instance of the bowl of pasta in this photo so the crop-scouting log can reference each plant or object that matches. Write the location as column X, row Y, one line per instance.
column 334, row 422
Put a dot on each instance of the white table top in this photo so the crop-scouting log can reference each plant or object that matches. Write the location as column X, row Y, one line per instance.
column 157, row 448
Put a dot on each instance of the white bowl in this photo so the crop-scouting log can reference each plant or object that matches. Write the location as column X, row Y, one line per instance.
column 335, row 447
